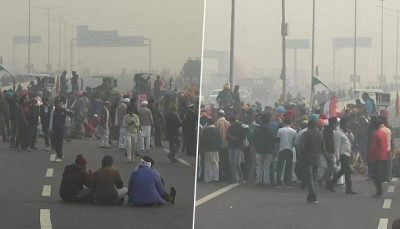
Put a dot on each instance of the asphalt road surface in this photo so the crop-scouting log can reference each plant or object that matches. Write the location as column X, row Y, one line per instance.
column 238, row 206
column 30, row 186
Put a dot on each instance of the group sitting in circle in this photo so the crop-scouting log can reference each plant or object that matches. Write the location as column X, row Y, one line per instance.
column 105, row 186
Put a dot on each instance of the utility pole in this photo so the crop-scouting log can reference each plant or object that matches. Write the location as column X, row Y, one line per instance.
column 312, row 55
column 29, row 39
column 232, row 45
column 397, row 48
column 382, row 23
column 284, row 34
column 355, row 45
column 48, row 31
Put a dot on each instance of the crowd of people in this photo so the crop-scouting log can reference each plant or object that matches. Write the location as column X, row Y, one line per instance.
column 134, row 123
column 291, row 143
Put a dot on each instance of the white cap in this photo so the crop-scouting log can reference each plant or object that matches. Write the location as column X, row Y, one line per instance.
column 126, row 100
column 144, row 103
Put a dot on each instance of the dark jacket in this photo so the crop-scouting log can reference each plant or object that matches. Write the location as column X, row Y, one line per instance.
column 329, row 142
column 211, row 139
column 74, row 177
column 104, row 182
column 264, row 140
column 312, row 145
column 172, row 124
column 236, row 135
column 45, row 116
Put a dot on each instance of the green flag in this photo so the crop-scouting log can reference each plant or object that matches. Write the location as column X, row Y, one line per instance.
column 316, row 81
column 2, row 69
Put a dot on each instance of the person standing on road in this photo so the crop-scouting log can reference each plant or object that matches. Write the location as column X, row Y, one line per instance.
column 329, row 133
column 23, row 124
column 189, row 129
column 312, row 146
column 75, row 184
column 45, row 111
column 286, row 136
column 120, row 113
column 131, row 124
column 107, row 185
column 57, row 127
column 223, row 125
column 33, row 121
column 173, row 125
column 146, row 121
column 343, row 139
column 146, row 187
column 104, row 126
column 13, row 111
column 236, row 136
column 264, row 144
column 379, row 154
column 210, row 144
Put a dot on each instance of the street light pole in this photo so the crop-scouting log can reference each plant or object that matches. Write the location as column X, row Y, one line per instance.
column 29, row 38
column 232, row 45
column 397, row 48
column 355, row 45
column 312, row 55
column 284, row 34
column 382, row 42
column 48, row 31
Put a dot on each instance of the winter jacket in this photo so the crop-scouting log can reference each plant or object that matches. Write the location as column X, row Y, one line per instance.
column 105, row 182
column 222, row 125
column 236, row 135
column 379, row 149
column 210, row 139
column 264, row 140
column 145, row 116
column 312, row 145
column 74, row 177
column 173, row 123
column 146, row 187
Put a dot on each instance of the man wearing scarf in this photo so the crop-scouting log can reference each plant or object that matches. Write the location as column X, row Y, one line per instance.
column 146, row 187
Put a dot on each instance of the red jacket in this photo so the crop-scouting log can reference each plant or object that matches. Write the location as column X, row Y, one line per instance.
column 379, row 149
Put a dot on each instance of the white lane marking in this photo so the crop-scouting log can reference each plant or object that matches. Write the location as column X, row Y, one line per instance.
column 49, row 172
column 387, row 203
column 395, row 179
column 45, row 221
column 179, row 159
column 391, row 188
column 184, row 162
column 46, row 190
column 215, row 194
column 52, row 157
column 383, row 223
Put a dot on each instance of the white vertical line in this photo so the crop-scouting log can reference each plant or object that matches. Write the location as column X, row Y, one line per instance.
column 46, row 190
column 45, row 221
column 387, row 203
column 52, row 157
column 49, row 172
column 391, row 188
column 383, row 223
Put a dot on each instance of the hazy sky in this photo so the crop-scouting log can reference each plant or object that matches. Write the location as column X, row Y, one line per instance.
column 175, row 28
column 258, row 40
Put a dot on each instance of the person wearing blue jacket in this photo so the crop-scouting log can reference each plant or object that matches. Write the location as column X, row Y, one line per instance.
column 146, row 187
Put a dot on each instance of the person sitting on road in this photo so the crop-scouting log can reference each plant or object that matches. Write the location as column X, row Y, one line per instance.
column 107, row 186
column 396, row 224
column 146, row 187
column 75, row 184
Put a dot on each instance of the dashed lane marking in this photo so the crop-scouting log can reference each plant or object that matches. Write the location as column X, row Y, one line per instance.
column 45, row 221
column 46, row 190
column 387, row 203
column 179, row 159
column 215, row 194
column 383, row 223
column 395, row 179
column 391, row 188
column 52, row 157
column 49, row 172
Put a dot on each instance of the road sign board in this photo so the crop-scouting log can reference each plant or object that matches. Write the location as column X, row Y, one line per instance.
column 110, row 38
column 17, row 40
column 297, row 43
column 348, row 42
